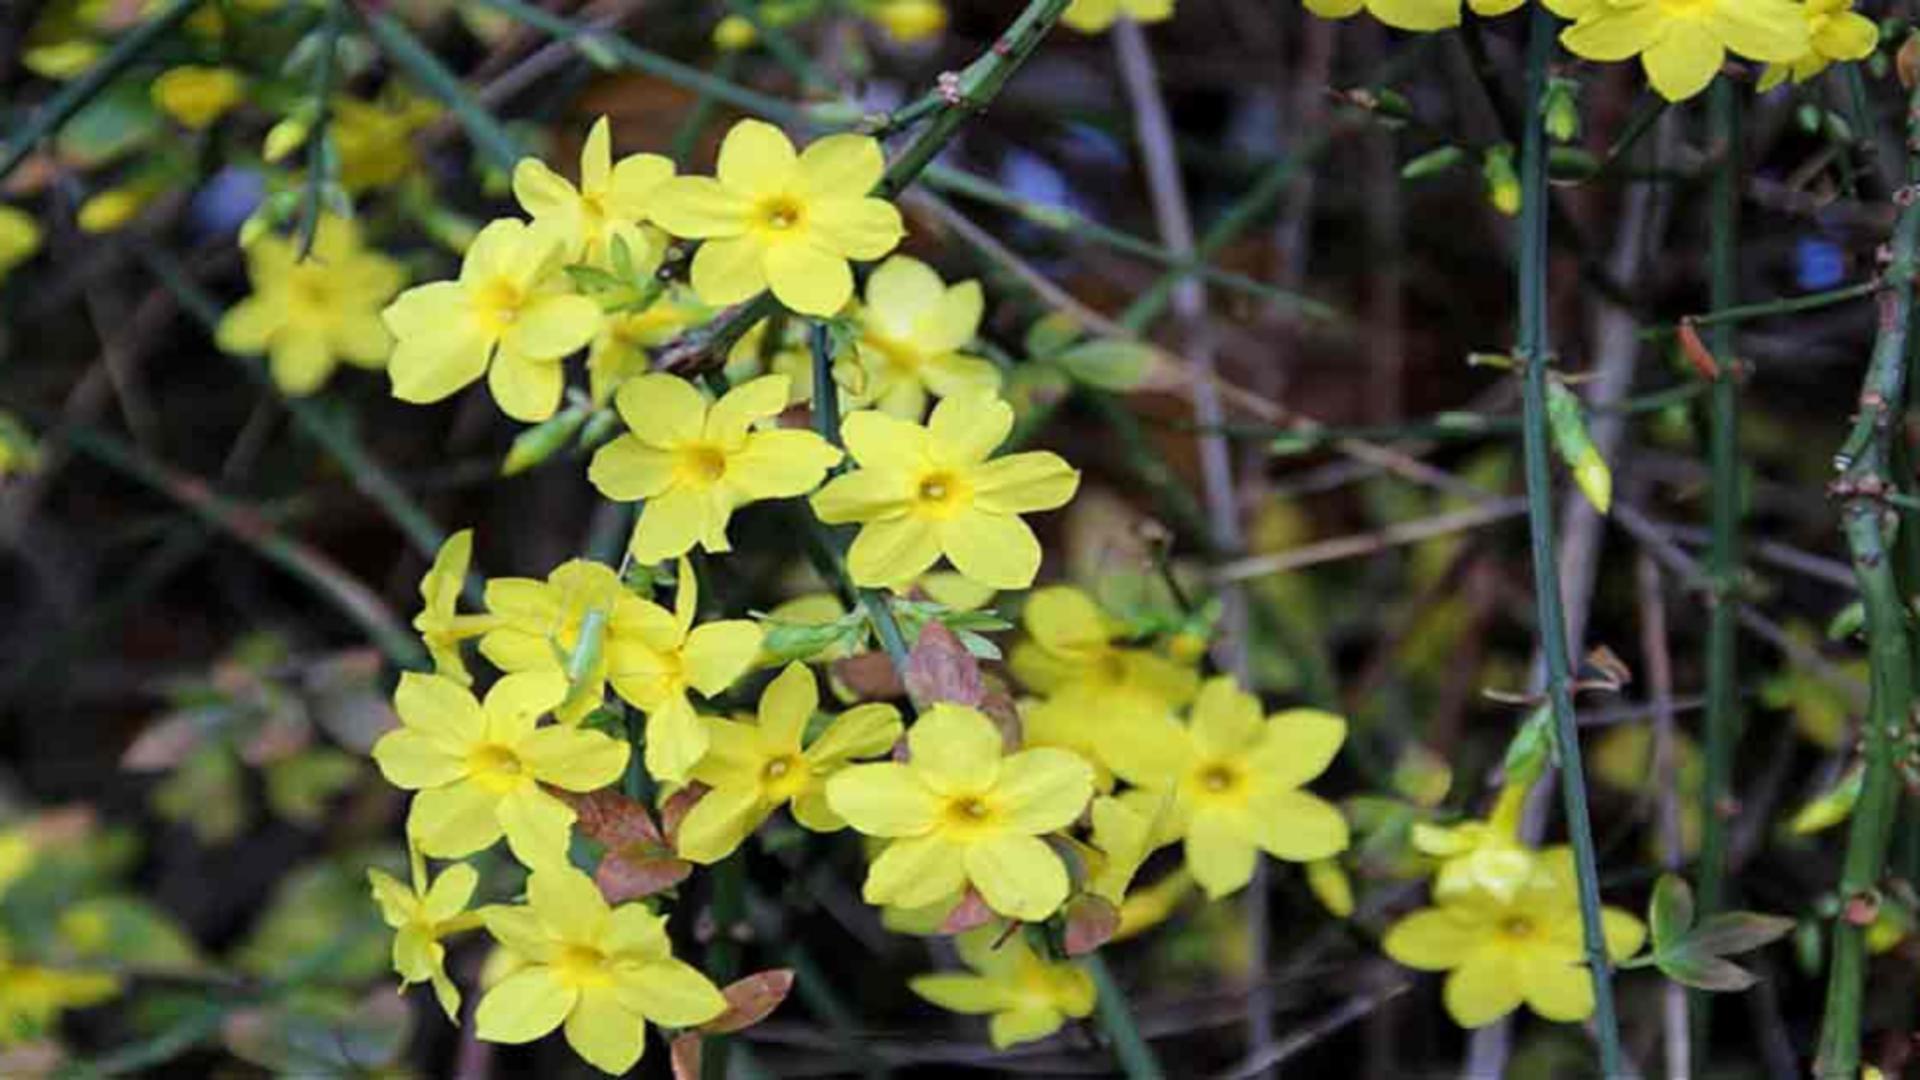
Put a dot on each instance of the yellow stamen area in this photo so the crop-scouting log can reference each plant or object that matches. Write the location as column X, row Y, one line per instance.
column 497, row 304
column 780, row 213
column 941, row 494
column 497, row 767
column 699, row 464
column 581, row 966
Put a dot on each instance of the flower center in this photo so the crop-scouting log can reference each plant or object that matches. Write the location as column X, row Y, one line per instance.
column 969, row 813
column 941, row 494
column 1688, row 8
column 309, row 293
column 699, row 464
column 581, row 966
column 496, row 766
column 785, row 776
column 1220, row 780
column 781, row 213
column 497, row 303
column 1516, row 927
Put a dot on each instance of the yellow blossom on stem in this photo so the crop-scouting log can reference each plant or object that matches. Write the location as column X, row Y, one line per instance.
column 511, row 316
column 921, row 492
column 421, row 914
column 754, row 769
column 694, row 463
column 1484, row 855
column 541, row 625
column 601, row 973
column 1835, row 34
column 1683, row 43
column 1027, row 996
column 771, row 218
column 479, row 769
column 913, row 330
column 907, row 21
column 1500, row 953
column 959, row 811
column 197, row 96
column 1071, row 653
column 32, row 997
column 1235, row 779
column 374, row 139
column 610, row 202
column 307, row 315
column 442, row 628
column 1410, row 14
column 19, row 238
column 1093, row 16
column 619, row 351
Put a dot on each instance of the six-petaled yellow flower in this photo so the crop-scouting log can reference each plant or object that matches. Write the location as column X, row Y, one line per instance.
column 1026, row 996
column 1683, row 43
column 610, row 202
column 1235, row 780
column 601, row 973
column 914, row 329
column 693, row 463
column 754, row 769
column 307, row 315
column 510, row 317
column 1835, row 33
column 480, row 769
column 771, row 218
column 1500, row 953
column 421, row 914
column 923, row 492
column 962, row 812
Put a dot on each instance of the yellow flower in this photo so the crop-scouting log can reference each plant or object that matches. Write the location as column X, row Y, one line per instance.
column 1410, row 14
column 422, row 914
column 1480, row 855
column 601, row 972
column 693, row 463
column 619, row 350
column 1070, row 653
column 923, row 492
column 1683, row 43
column 960, row 813
column 1835, row 33
column 308, row 315
column 112, row 208
column 734, row 33
column 1500, row 953
column 907, row 21
column 1093, row 16
column 442, row 628
column 197, row 96
column 32, row 997
column 1235, row 778
column 375, row 139
column 756, row 768
column 510, row 317
column 912, row 330
column 19, row 238
column 19, row 450
column 479, row 769
column 610, row 202
column 771, row 218
column 1027, row 996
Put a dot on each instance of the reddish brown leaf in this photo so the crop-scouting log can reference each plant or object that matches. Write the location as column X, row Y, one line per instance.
column 165, row 742
column 623, row 877
column 1091, row 923
column 971, row 912
column 284, row 733
column 639, row 861
column 1907, row 62
column 751, row 1000
column 614, row 820
column 1697, row 353
column 997, row 704
column 675, row 810
column 685, row 1054
column 941, row 669
column 869, row 676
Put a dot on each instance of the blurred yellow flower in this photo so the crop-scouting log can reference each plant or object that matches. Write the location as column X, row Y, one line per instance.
column 33, row 997
column 1500, row 953
column 1027, row 996
column 923, row 492
column 907, row 21
column 1410, row 14
column 511, row 316
column 619, row 350
column 1835, row 33
column 375, row 138
column 1071, row 652
column 197, row 96
column 19, row 238
column 1093, row 16
column 754, row 769
column 692, row 464
column 421, row 914
column 1235, row 779
column 773, row 218
column 480, row 768
column 601, row 973
column 308, row 315
column 913, row 328
column 111, row 209
column 961, row 812
column 611, row 201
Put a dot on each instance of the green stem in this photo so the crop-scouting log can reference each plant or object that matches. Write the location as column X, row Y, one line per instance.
column 488, row 135
column 1720, row 316
column 1535, row 352
column 1129, row 1046
column 1865, row 463
column 1723, row 719
column 74, row 96
column 319, row 145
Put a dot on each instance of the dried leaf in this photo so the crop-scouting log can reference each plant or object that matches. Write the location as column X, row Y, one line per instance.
column 639, row 860
column 751, row 1000
column 685, row 1054
column 613, row 819
column 1091, row 923
column 941, row 669
column 870, row 677
column 971, row 912
column 1907, row 62
column 1697, row 353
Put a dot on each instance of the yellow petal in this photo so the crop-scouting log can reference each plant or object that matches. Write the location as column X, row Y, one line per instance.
column 526, row 389
column 1298, row 827
column 413, row 760
column 912, row 872
column 455, row 821
column 719, row 823
column 670, row 993
column 698, row 208
column 676, row 740
column 968, row 994
column 524, row 1006
column 1433, row 939
column 1044, row 789
column 577, row 759
column 955, row 750
column 781, row 464
column 1483, row 989
column 855, row 228
column 1024, row 483
column 839, row 165
column 1024, row 1024
column 755, row 158
column 538, row 826
column 964, row 430
column 883, row 799
column 603, row 1032
column 627, row 469
column 438, row 707
column 1220, row 851
column 1018, row 876
column 670, row 525
column 862, row 495
column 807, row 279
column 996, row 550
column 729, row 270
column 891, row 552
column 1298, row 745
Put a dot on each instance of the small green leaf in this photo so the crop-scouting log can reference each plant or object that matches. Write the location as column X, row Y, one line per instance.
column 1567, row 420
column 1670, row 913
column 1704, row 972
column 1847, row 622
column 783, row 642
column 1733, row 932
column 1433, row 163
column 1107, row 365
column 1050, row 334
column 1531, row 748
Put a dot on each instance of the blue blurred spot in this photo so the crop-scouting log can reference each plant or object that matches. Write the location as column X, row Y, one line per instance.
column 1818, row 263
column 226, row 199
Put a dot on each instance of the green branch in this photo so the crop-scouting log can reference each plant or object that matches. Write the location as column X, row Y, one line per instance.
column 1535, row 352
